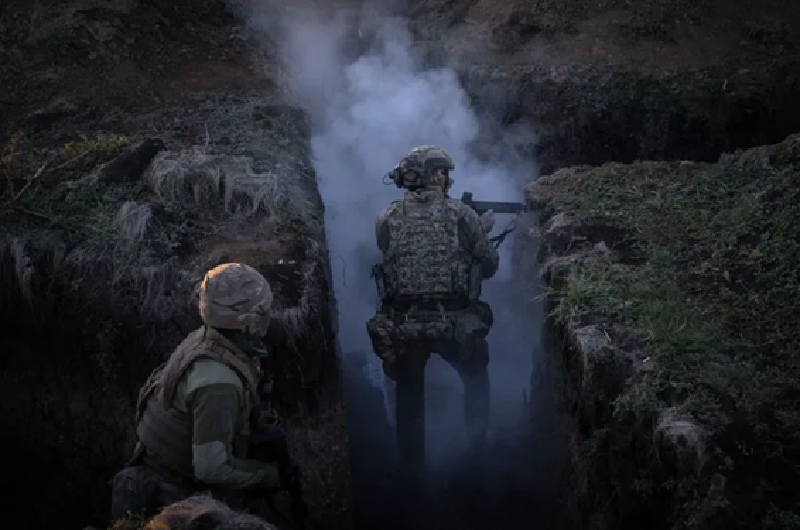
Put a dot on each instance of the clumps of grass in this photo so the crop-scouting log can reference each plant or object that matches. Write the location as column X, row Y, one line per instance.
column 15, row 258
column 204, row 178
column 30, row 173
column 110, row 263
column 106, row 146
column 713, row 297
column 130, row 236
column 10, row 157
column 134, row 219
column 71, row 228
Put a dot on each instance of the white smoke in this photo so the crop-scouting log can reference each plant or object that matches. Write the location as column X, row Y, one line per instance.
column 370, row 110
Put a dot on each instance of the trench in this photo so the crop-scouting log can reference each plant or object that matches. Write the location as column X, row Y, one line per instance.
column 68, row 403
column 522, row 476
column 65, row 417
column 73, row 352
column 529, row 475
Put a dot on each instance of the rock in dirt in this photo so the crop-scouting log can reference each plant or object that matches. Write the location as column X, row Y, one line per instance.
column 603, row 369
column 131, row 164
column 679, row 442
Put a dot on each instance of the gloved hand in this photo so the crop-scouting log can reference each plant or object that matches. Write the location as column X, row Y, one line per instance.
column 268, row 418
column 487, row 221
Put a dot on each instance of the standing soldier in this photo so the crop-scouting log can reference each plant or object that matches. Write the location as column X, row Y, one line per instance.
column 435, row 254
column 197, row 411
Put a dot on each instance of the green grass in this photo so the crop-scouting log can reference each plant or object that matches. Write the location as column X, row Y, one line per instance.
column 128, row 234
column 711, row 289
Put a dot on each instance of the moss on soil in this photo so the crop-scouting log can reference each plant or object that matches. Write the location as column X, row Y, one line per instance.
column 705, row 284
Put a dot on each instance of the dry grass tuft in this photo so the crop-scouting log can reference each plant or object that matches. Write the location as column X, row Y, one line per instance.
column 196, row 176
column 14, row 255
column 133, row 220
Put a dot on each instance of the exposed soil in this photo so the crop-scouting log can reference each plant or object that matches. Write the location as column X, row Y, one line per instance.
column 100, row 260
column 623, row 81
column 646, row 36
column 676, row 336
column 668, row 446
column 92, row 299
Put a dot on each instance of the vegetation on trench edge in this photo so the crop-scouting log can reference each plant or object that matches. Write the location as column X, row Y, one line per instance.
column 711, row 281
column 63, row 222
column 188, row 194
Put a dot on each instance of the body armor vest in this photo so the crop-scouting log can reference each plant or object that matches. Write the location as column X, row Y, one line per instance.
column 425, row 261
column 165, row 431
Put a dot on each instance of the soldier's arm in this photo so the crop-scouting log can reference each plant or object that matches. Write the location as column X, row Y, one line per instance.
column 476, row 241
column 214, row 410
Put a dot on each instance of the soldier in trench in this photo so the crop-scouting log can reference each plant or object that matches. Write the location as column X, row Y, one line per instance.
column 435, row 254
column 196, row 411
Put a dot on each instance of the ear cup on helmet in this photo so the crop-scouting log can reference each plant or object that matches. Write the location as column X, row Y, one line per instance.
column 416, row 168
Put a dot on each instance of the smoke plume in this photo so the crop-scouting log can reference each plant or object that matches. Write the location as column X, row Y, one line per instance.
column 372, row 100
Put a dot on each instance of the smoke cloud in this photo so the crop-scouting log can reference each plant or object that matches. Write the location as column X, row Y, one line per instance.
column 372, row 101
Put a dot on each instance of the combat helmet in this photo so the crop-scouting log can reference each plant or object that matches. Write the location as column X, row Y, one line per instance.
column 235, row 296
column 414, row 169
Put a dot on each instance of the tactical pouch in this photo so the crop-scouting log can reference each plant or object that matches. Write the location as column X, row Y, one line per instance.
column 380, row 282
column 475, row 282
column 470, row 332
column 382, row 333
column 469, row 328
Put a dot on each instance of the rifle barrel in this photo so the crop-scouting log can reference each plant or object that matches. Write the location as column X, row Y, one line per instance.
column 496, row 207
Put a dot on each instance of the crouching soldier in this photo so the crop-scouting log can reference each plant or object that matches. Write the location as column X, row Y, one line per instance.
column 197, row 411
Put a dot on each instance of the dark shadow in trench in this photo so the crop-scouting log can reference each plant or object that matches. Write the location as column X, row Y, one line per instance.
column 521, row 479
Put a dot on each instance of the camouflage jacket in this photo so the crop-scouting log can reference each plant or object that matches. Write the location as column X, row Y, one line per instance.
column 195, row 413
column 433, row 246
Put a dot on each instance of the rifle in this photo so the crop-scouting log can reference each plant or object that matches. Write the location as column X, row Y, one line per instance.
column 482, row 207
column 269, row 444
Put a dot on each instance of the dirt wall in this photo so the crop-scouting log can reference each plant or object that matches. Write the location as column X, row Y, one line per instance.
column 139, row 151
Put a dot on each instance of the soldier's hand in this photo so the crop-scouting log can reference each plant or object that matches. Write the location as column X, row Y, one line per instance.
column 268, row 419
column 272, row 478
column 487, row 221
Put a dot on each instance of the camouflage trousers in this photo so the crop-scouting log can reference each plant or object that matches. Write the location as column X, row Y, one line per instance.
column 409, row 375
column 405, row 342
column 139, row 491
